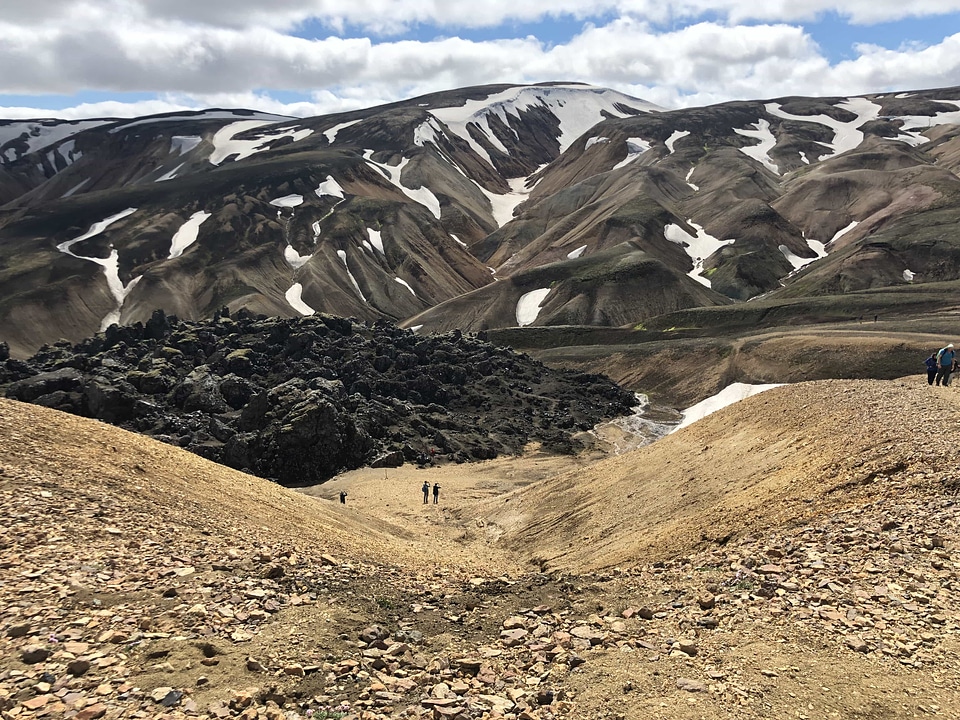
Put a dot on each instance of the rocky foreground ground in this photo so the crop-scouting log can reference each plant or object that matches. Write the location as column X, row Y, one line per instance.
column 128, row 592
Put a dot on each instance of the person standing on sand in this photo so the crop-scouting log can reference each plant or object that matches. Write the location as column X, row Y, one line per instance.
column 343, row 497
column 426, row 491
column 931, row 363
column 945, row 359
column 436, row 493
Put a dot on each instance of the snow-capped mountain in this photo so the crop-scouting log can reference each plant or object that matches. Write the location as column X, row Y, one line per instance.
column 478, row 208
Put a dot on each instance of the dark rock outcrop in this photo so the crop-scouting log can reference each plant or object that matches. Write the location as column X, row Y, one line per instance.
column 298, row 400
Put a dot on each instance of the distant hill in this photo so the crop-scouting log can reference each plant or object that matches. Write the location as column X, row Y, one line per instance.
column 478, row 208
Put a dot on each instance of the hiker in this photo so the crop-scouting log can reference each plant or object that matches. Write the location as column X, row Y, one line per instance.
column 945, row 358
column 436, row 493
column 426, row 491
column 931, row 363
column 343, row 497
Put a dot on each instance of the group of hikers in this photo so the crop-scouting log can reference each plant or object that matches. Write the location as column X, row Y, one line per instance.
column 941, row 365
column 425, row 488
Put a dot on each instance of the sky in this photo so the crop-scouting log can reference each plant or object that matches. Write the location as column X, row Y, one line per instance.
column 125, row 58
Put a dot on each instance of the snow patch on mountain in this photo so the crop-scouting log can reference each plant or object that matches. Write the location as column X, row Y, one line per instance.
column 676, row 135
column 698, row 247
column 187, row 234
column 528, row 306
column 170, row 175
column 728, row 396
column 376, row 240
column 635, row 148
column 760, row 152
column 461, row 242
column 293, row 258
column 294, row 298
column 182, row 144
column 847, row 135
column 38, row 134
column 75, row 188
column 909, row 276
column 574, row 254
column 913, row 125
column 577, row 107
column 406, row 285
column 596, row 141
column 503, row 206
column 329, row 187
column 342, row 254
column 795, row 260
column 110, row 265
column 840, row 233
column 287, row 201
column 331, row 133
column 248, row 116
column 420, row 195
column 225, row 142
column 696, row 188
column 427, row 132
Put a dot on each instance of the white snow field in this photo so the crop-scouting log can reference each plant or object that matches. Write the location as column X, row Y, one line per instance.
column 503, row 206
column 329, row 187
column 42, row 133
column 331, row 133
column 699, row 247
column 376, row 240
column 287, row 201
column 293, row 258
column 760, row 152
column 342, row 254
column 406, row 285
column 170, row 175
column 847, row 136
column 110, row 265
column 225, row 144
column 294, row 299
column 528, row 306
column 696, row 188
column 187, row 234
column 728, row 396
column 908, row 275
column 676, row 135
column 842, row 232
column 596, row 140
column 635, row 148
column 577, row 107
column 458, row 240
column 421, row 195
column 913, row 125
column 574, row 254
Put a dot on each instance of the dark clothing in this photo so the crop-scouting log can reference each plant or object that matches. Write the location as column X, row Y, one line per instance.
column 931, row 363
column 436, row 493
column 426, row 491
column 343, row 497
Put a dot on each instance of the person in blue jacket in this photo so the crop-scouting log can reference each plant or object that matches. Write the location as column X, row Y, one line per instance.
column 931, row 363
column 945, row 358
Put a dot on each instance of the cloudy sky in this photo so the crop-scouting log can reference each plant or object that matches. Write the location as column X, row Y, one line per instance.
column 122, row 58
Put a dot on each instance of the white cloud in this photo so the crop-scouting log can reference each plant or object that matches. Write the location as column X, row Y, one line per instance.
column 222, row 57
column 396, row 15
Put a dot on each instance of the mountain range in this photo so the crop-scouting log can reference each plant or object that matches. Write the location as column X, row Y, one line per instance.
column 542, row 207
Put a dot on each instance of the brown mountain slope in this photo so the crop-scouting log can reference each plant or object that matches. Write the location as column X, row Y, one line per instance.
column 777, row 460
